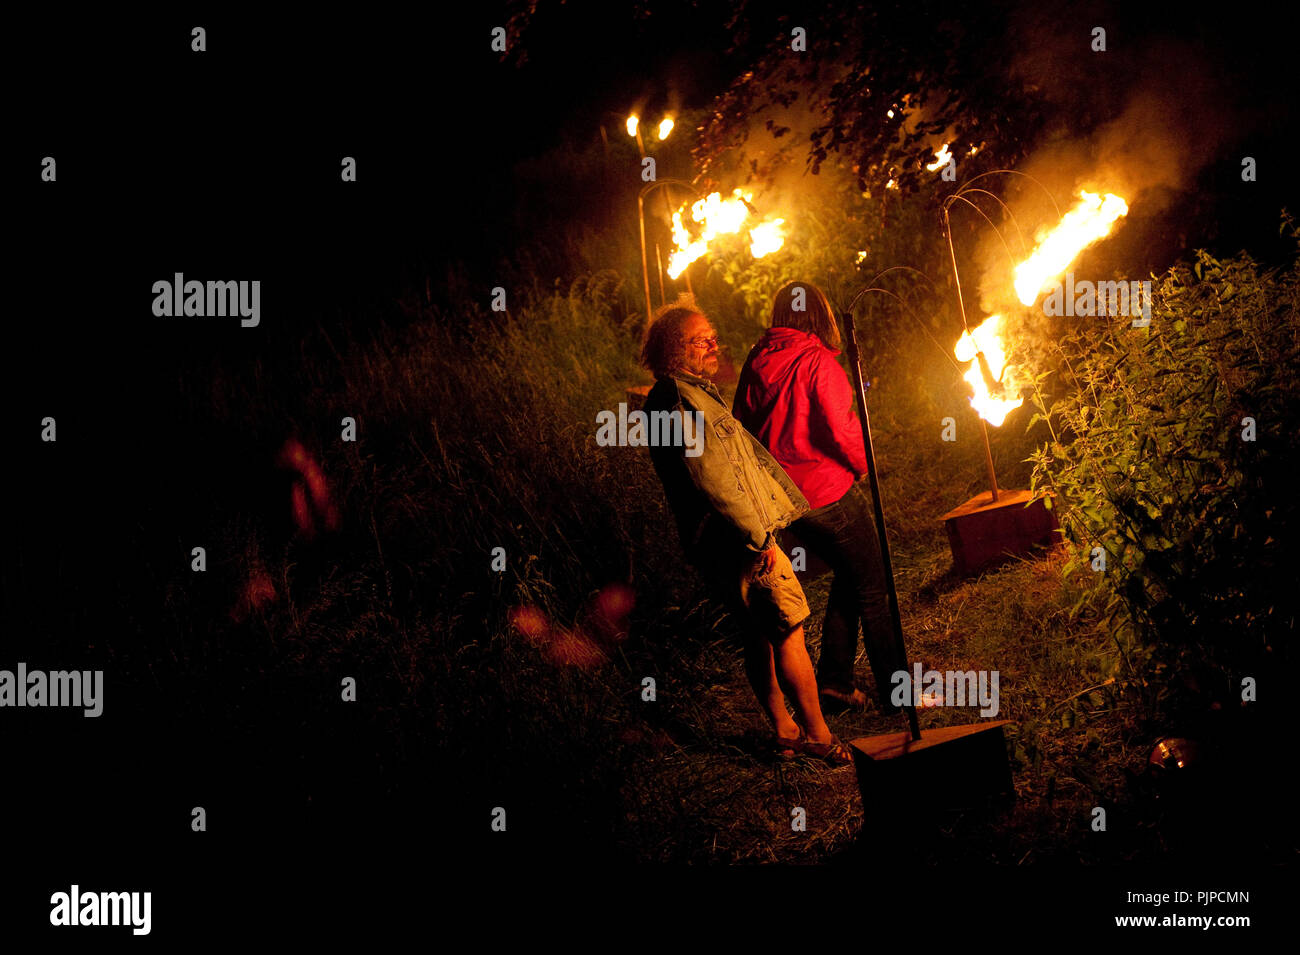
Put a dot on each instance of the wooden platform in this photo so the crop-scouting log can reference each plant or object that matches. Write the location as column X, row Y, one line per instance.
column 982, row 533
column 951, row 766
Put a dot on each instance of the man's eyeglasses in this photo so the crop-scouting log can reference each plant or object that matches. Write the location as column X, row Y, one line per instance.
column 703, row 342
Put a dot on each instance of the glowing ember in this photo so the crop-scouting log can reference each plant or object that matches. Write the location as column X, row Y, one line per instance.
column 766, row 237
column 1091, row 219
column 718, row 216
column 665, row 127
column 940, row 159
column 861, row 255
column 891, row 184
column 631, row 125
column 985, row 340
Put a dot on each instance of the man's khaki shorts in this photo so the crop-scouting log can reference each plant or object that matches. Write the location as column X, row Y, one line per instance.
column 775, row 600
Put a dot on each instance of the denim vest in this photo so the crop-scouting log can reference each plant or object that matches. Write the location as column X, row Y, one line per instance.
column 734, row 490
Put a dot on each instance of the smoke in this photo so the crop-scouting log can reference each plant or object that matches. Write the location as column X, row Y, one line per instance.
column 1141, row 119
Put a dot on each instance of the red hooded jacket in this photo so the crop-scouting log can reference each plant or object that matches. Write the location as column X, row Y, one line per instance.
column 797, row 401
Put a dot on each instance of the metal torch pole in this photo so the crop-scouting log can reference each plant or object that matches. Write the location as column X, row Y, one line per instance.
column 659, row 261
column 896, row 618
column 645, row 269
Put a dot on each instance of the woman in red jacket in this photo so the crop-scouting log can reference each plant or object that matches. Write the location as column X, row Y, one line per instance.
column 796, row 399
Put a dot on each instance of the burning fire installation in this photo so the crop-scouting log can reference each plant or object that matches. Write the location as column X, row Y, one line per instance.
column 924, row 762
column 985, row 529
column 714, row 217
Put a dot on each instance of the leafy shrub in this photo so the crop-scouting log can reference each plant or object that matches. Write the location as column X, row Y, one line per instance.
column 1150, row 460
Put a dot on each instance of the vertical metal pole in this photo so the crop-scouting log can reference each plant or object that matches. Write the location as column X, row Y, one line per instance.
column 645, row 269
column 984, row 428
column 895, row 616
column 659, row 260
column 988, row 460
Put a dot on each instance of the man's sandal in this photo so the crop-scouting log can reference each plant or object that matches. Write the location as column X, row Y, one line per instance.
column 834, row 753
column 786, row 748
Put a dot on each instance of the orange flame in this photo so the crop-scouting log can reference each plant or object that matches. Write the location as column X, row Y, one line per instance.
column 940, row 159
column 985, row 340
column 766, row 237
column 1090, row 219
column 718, row 216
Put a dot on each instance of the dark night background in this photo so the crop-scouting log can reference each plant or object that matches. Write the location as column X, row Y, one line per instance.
column 226, row 166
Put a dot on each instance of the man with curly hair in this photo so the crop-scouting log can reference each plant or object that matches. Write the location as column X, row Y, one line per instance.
column 729, row 499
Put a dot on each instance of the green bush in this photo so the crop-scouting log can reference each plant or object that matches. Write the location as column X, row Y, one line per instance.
column 1150, row 461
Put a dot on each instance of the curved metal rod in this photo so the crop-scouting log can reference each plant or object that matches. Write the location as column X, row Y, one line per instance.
column 880, row 275
column 1010, row 215
column 1013, row 172
column 640, row 214
column 649, row 187
column 991, row 226
column 849, row 311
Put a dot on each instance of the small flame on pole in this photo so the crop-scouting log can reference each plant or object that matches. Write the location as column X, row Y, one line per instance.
column 988, row 375
column 940, row 159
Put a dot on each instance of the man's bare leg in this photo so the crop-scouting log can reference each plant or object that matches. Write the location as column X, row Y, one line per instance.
column 760, row 667
column 794, row 670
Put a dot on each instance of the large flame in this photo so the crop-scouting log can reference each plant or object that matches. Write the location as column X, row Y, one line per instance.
column 1090, row 219
column 985, row 340
column 719, row 216
column 766, row 237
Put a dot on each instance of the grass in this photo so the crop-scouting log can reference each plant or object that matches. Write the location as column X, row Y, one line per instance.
column 480, row 435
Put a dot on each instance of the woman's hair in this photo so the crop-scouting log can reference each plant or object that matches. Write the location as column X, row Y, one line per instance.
column 663, row 349
column 813, row 313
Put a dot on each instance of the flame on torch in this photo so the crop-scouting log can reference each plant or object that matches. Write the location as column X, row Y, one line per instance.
column 1090, row 219
column 940, row 159
column 720, row 216
column 631, row 125
column 665, row 127
column 982, row 347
